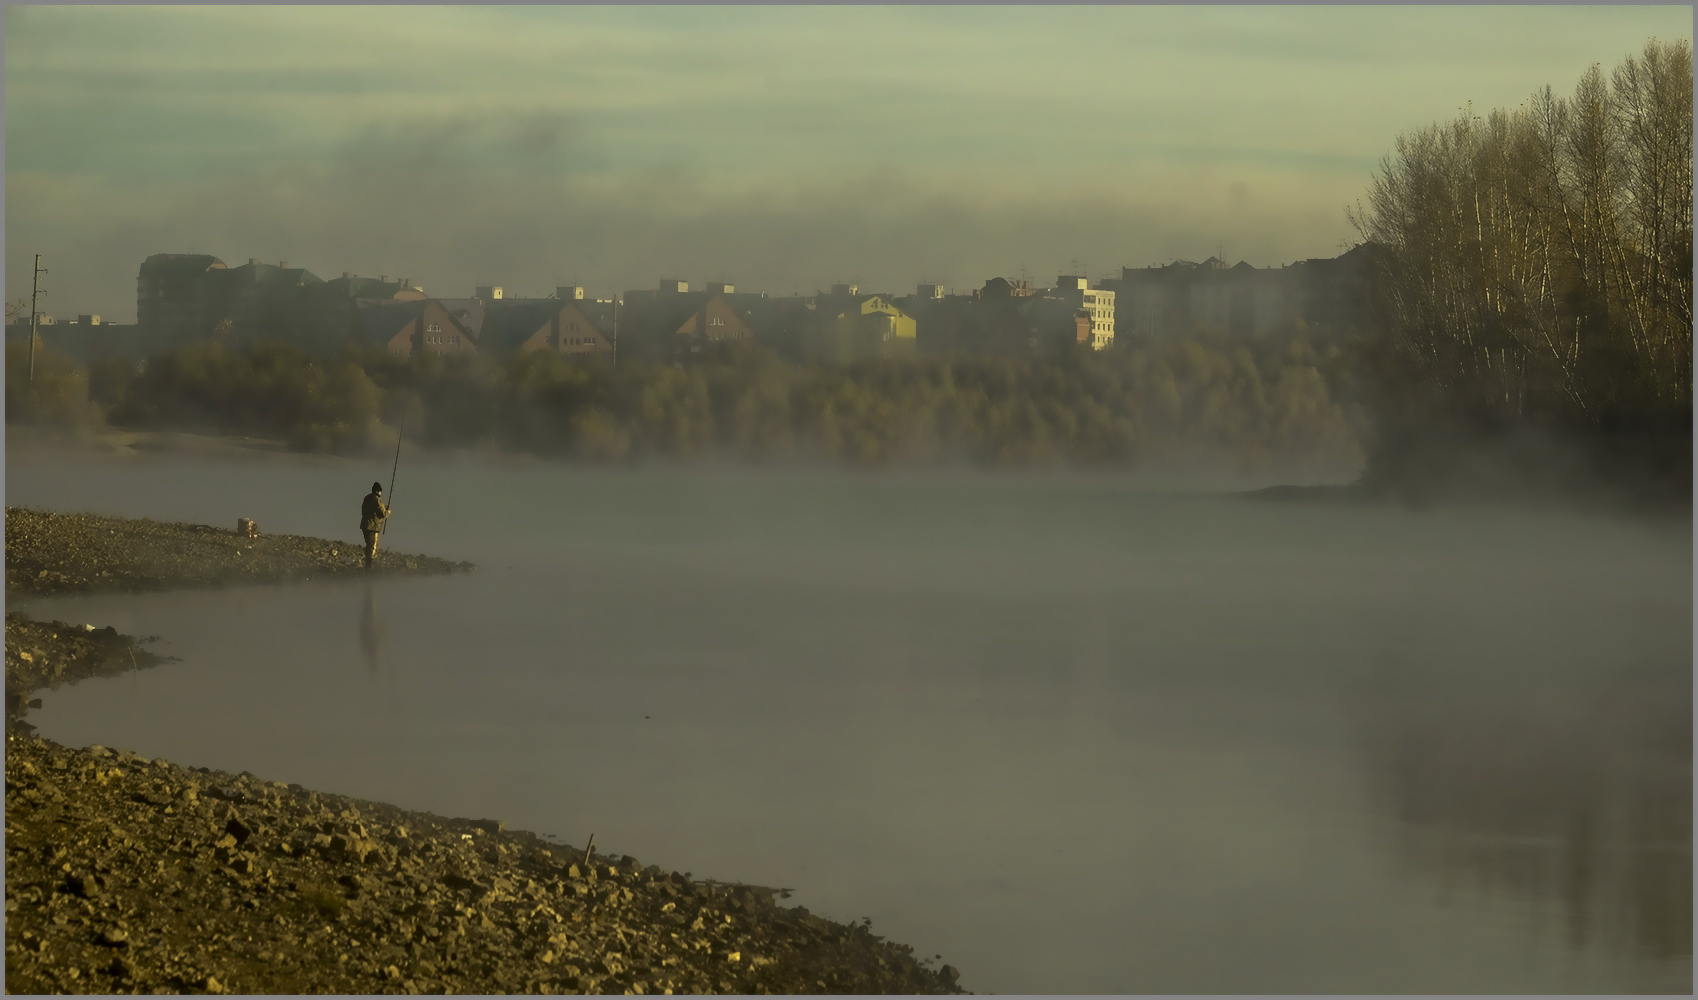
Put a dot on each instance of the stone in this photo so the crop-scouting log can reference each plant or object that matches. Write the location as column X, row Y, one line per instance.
column 950, row 973
column 113, row 937
column 488, row 915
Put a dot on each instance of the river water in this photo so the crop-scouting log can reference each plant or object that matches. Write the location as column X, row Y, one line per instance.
column 1074, row 734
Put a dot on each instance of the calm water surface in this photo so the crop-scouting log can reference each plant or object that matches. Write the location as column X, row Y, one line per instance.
column 1072, row 734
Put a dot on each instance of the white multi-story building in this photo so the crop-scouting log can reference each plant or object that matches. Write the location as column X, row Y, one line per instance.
column 1099, row 302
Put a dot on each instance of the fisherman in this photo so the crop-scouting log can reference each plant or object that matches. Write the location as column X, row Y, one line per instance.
column 372, row 515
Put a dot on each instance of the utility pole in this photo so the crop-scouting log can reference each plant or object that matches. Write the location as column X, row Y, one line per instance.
column 34, row 290
column 616, row 329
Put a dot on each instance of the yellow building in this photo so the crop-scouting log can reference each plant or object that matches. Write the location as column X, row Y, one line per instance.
column 849, row 326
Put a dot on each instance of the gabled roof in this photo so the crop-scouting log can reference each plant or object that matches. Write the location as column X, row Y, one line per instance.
column 598, row 313
column 507, row 323
column 469, row 313
column 676, row 310
column 382, row 319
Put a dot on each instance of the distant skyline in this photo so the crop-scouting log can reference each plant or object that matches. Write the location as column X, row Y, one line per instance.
column 779, row 148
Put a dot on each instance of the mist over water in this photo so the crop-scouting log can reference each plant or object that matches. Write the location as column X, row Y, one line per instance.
column 1076, row 734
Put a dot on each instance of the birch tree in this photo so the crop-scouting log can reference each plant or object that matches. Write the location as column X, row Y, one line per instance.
column 1540, row 258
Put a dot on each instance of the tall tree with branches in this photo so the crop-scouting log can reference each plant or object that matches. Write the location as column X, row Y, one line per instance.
column 1539, row 262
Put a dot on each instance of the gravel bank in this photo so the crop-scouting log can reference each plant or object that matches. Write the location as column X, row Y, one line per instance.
column 48, row 553
column 132, row 875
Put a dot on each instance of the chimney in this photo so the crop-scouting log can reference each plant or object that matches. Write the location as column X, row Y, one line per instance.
column 672, row 286
column 574, row 293
column 1071, row 282
column 348, row 275
column 253, row 261
column 283, row 265
column 843, row 289
column 487, row 293
column 721, row 288
column 383, row 279
column 927, row 290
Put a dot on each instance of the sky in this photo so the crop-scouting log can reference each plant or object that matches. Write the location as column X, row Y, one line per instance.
column 779, row 148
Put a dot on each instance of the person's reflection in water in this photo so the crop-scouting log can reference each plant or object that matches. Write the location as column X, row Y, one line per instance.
column 371, row 629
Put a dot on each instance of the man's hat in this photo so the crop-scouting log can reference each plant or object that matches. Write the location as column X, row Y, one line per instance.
column 377, row 487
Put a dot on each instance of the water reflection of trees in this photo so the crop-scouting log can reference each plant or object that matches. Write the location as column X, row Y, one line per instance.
column 1582, row 802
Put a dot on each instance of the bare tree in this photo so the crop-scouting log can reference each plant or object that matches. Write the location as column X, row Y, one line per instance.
column 1540, row 259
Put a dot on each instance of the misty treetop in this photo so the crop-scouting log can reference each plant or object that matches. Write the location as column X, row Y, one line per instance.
column 1253, row 403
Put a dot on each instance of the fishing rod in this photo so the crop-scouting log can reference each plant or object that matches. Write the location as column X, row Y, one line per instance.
column 401, row 432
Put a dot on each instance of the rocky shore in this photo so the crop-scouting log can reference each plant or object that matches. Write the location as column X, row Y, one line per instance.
column 129, row 875
column 47, row 654
column 49, row 553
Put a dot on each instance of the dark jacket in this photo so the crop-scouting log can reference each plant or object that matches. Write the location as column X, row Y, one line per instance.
column 372, row 513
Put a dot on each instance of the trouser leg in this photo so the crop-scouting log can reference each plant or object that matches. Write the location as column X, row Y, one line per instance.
column 371, row 547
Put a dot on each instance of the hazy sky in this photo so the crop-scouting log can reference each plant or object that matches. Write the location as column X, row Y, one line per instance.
column 778, row 148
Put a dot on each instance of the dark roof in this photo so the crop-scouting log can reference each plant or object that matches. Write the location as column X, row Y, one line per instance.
column 507, row 323
column 161, row 265
column 825, row 302
column 366, row 288
column 270, row 274
column 470, row 313
column 381, row 319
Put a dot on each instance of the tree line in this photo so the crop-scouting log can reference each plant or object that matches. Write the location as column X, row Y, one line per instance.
column 1267, row 402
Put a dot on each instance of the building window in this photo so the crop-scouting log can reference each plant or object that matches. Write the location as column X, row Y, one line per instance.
column 434, row 328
